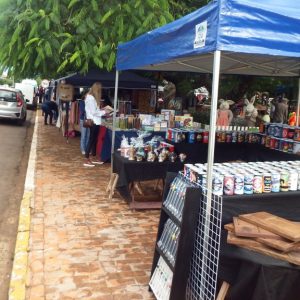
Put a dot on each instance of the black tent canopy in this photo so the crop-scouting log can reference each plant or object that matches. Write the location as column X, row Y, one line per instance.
column 127, row 80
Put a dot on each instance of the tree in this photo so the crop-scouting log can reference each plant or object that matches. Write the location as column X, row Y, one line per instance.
column 55, row 36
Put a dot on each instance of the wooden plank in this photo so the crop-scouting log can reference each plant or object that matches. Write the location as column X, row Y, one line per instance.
column 251, row 244
column 245, row 229
column 280, row 244
column 229, row 227
column 283, row 227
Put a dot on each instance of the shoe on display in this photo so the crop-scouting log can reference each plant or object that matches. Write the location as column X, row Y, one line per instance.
column 88, row 163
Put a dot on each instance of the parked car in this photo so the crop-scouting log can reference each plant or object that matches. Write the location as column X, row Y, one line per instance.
column 28, row 88
column 12, row 105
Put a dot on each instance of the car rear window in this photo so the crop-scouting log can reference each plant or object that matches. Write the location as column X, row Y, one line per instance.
column 8, row 96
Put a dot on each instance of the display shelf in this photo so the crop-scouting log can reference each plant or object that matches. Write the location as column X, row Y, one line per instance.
column 162, row 254
column 171, row 216
column 180, row 243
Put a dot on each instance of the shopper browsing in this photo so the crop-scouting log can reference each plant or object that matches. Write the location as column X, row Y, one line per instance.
column 93, row 113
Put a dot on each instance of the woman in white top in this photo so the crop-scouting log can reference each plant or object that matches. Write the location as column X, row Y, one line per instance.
column 94, row 113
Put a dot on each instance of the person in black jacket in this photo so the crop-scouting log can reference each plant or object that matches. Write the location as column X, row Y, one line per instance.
column 50, row 109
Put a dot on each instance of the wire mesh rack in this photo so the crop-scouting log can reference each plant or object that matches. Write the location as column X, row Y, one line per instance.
column 202, row 280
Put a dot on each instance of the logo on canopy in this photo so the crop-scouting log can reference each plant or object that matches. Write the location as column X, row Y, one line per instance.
column 200, row 35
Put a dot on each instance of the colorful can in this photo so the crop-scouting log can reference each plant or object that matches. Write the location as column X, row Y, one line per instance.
column 291, row 132
column 241, row 137
column 239, row 184
column 271, row 129
column 228, row 184
column 267, row 184
column 262, row 127
column 268, row 141
column 275, row 182
column 234, row 137
column 276, row 144
column 263, row 140
column 199, row 137
column 290, row 146
column 257, row 184
column 278, row 130
column 248, row 183
column 272, row 142
column 296, row 148
column 205, row 137
column 293, row 181
column 191, row 137
column 223, row 136
column 285, row 132
column 267, row 125
column 284, row 182
column 228, row 137
column 297, row 134
column 217, row 184
column 218, row 136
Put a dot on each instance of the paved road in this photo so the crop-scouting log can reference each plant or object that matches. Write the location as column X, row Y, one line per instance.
column 14, row 152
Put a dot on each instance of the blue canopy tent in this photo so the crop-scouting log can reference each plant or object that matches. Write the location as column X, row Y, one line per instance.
column 226, row 36
column 251, row 37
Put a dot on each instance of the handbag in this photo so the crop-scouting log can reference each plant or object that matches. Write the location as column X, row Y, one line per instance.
column 88, row 123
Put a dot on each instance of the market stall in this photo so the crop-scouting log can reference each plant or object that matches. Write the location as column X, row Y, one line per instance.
column 228, row 37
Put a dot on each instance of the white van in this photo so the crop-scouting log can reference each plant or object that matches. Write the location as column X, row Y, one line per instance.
column 28, row 87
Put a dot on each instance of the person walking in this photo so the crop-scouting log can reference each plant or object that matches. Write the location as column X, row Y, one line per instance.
column 93, row 113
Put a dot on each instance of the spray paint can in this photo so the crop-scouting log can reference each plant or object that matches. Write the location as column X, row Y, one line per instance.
column 267, row 183
column 293, row 181
column 228, row 184
column 275, row 182
column 217, row 184
column 239, row 184
column 257, row 184
column 284, row 182
column 248, row 184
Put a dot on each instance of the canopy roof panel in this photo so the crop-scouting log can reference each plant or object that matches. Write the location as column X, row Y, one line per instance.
column 256, row 38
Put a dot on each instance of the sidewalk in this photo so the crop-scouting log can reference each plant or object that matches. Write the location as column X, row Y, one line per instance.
column 81, row 245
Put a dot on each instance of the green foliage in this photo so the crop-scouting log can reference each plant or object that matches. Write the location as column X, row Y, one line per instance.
column 51, row 38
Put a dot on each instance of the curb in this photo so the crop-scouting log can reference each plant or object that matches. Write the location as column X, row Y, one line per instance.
column 17, row 286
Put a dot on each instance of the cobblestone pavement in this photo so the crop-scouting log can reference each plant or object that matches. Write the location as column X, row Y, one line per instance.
column 83, row 246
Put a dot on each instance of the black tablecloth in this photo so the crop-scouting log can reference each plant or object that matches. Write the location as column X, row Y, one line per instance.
column 225, row 152
column 130, row 171
column 256, row 276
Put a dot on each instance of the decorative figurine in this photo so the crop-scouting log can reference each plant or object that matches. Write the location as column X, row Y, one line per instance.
column 182, row 157
column 172, row 157
column 131, row 153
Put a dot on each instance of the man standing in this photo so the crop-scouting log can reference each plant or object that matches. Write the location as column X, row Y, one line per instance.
column 281, row 111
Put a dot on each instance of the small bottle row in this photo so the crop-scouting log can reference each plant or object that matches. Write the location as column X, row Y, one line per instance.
column 161, row 280
column 168, row 241
column 175, row 199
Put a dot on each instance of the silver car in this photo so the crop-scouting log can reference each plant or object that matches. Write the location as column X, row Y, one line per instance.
column 12, row 105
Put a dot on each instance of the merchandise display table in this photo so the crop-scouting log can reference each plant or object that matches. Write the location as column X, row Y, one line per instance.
column 224, row 152
column 105, row 138
column 131, row 172
column 252, row 275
